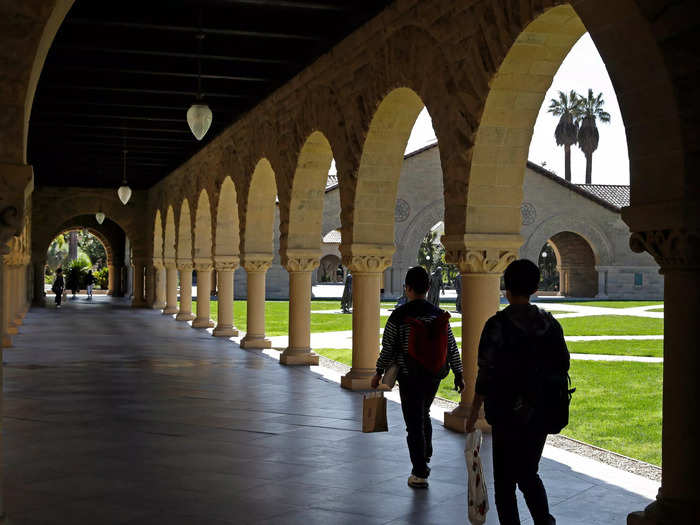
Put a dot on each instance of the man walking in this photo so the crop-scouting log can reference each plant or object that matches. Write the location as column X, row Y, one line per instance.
column 418, row 339
column 90, row 281
column 521, row 347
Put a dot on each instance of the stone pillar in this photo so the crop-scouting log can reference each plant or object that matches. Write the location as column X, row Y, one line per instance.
column 481, row 260
column 299, row 265
column 11, row 300
column 203, row 319
column 139, row 298
column 38, row 295
column 170, row 278
column 367, row 270
column 5, row 295
column 19, row 280
column 111, row 270
column 185, row 312
column 225, row 266
column 256, row 266
column 159, row 300
column 677, row 251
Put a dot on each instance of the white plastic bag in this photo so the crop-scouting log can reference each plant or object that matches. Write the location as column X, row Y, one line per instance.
column 477, row 497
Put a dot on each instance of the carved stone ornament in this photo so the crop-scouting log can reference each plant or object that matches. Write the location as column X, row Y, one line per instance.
column 184, row 266
column 257, row 263
column 402, row 210
column 528, row 213
column 672, row 249
column 169, row 262
column 205, row 265
column 490, row 260
column 227, row 264
column 158, row 264
column 300, row 264
column 367, row 263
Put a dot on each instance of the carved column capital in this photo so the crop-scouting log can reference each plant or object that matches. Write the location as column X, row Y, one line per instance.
column 481, row 253
column 300, row 260
column 226, row 263
column 674, row 249
column 367, row 258
column 257, row 262
column 203, row 265
column 184, row 265
column 158, row 264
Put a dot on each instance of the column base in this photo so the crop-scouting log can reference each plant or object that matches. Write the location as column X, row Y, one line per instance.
column 357, row 379
column 170, row 311
column 158, row 306
column 12, row 329
column 255, row 342
column 183, row 316
column 6, row 342
column 110, row 292
column 135, row 303
column 225, row 331
column 203, row 323
column 663, row 512
column 299, row 356
column 456, row 420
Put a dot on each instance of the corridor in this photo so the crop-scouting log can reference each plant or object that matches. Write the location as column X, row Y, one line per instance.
column 114, row 415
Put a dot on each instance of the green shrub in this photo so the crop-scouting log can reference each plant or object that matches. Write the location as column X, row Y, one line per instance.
column 76, row 273
column 102, row 278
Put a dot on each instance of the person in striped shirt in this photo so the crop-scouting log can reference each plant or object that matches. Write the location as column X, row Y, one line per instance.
column 421, row 366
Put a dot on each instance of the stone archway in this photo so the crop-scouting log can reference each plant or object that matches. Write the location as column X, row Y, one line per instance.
column 576, row 264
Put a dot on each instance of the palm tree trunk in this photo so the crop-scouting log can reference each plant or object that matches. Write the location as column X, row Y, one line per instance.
column 589, row 167
column 567, row 162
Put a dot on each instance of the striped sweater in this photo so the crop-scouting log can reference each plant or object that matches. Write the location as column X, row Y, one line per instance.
column 396, row 333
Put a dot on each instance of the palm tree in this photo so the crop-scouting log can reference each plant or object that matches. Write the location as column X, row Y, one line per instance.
column 591, row 108
column 567, row 108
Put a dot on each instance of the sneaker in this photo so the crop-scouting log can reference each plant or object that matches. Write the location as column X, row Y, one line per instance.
column 417, row 483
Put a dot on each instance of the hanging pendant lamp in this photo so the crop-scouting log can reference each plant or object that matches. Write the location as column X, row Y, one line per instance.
column 124, row 191
column 100, row 217
column 199, row 116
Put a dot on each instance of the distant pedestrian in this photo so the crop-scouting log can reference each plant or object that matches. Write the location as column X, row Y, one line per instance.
column 58, row 286
column 436, row 286
column 522, row 353
column 90, row 282
column 346, row 299
column 418, row 338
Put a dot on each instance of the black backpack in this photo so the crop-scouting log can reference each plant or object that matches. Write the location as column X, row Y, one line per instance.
column 533, row 390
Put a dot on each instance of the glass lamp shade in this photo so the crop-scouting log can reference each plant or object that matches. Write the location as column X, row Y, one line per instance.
column 199, row 118
column 124, row 193
column 100, row 217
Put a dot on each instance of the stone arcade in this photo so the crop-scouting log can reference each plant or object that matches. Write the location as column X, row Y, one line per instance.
column 482, row 69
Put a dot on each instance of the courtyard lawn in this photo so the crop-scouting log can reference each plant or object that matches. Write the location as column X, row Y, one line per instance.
column 612, row 325
column 342, row 355
column 617, row 406
column 639, row 348
column 617, row 304
column 656, row 309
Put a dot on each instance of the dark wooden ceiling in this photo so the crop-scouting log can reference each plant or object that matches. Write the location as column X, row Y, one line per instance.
column 121, row 75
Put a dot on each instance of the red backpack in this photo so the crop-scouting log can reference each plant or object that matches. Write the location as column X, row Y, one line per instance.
column 427, row 345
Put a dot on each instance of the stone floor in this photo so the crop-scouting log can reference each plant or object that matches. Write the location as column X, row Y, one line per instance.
column 121, row 416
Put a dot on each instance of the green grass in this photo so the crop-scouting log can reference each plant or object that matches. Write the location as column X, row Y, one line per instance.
column 612, row 325
column 617, row 304
column 656, row 309
column 617, row 406
column 640, row 348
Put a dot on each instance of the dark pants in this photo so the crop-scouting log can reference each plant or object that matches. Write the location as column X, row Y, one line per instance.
column 417, row 395
column 58, row 298
column 516, row 459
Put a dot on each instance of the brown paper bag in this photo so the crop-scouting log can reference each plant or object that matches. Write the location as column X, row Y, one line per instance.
column 374, row 412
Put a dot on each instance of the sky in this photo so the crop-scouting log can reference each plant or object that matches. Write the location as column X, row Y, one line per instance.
column 583, row 68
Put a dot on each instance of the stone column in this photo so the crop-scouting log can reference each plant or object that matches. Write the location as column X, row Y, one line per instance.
column 481, row 260
column 11, row 300
column 185, row 312
column 367, row 270
column 159, row 276
column 111, row 270
column 225, row 266
column 299, row 265
column 19, row 280
column 170, row 278
column 204, row 268
column 256, row 266
column 677, row 251
column 39, row 295
column 5, row 295
column 139, row 298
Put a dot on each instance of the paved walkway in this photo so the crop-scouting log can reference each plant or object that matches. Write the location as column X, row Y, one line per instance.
column 121, row 416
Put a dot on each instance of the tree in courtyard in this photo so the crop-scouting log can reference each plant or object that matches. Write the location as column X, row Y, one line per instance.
column 430, row 252
column 566, row 132
column 591, row 109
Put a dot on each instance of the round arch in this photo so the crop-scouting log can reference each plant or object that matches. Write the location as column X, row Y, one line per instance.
column 202, row 228
column 578, row 276
column 258, row 219
column 184, row 233
column 307, row 195
column 227, row 237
